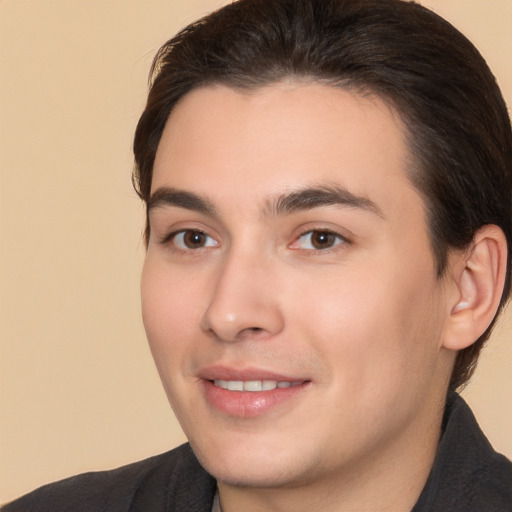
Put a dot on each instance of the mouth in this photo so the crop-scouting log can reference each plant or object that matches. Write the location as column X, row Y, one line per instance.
column 250, row 393
column 254, row 386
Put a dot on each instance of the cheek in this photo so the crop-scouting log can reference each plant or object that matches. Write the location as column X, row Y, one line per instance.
column 374, row 326
column 342, row 309
column 169, row 311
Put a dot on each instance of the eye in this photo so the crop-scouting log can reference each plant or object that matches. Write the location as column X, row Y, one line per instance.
column 318, row 240
column 192, row 239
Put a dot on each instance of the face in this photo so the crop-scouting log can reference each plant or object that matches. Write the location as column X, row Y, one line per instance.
column 289, row 291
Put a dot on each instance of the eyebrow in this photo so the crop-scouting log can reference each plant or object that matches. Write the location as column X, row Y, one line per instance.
column 318, row 196
column 169, row 196
column 284, row 204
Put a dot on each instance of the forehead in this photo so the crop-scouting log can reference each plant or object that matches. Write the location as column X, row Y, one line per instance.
column 251, row 145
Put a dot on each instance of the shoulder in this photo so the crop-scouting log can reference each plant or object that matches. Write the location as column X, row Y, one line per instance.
column 489, row 484
column 485, row 475
column 468, row 475
column 151, row 484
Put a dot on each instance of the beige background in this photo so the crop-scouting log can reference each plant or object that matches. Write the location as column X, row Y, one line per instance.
column 78, row 387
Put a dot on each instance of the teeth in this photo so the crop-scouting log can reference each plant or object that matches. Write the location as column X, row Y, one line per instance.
column 235, row 385
column 253, row 385
column 269, row 385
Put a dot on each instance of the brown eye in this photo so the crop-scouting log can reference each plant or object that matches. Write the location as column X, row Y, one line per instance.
column 322, row 239
column 318, row 240
column 194, row 239
column 191, row 239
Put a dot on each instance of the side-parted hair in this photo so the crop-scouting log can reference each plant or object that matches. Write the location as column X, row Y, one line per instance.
column 457, row 125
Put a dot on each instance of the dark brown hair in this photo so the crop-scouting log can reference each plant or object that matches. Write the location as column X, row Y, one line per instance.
column 458, row 129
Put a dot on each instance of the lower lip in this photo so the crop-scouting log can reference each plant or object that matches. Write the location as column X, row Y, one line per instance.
column 248, row 404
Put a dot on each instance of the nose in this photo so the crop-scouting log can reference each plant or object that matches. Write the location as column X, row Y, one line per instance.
column 244, row 302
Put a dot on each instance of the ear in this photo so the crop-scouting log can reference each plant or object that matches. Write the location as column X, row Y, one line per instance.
column 478, row 277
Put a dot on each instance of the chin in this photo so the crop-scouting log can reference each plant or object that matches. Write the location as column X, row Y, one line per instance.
column 256, row 468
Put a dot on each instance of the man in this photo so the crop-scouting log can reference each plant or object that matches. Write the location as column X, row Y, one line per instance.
column 328, row 191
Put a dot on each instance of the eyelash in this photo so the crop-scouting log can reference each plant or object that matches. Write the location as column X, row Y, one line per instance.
column 170, row 239
column 337, row 239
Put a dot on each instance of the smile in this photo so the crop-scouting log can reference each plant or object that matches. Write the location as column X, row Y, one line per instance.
column 250, row 393
column 254, row 385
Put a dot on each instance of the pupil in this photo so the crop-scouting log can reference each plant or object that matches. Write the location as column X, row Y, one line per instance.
column 194, row 239
column 322, row 239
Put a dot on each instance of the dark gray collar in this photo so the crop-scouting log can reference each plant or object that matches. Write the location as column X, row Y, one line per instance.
column 467, row 475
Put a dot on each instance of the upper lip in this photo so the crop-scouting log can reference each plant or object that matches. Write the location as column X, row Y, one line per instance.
column 244, row 374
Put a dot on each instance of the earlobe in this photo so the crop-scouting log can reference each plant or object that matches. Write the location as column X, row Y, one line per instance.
column 479, row 280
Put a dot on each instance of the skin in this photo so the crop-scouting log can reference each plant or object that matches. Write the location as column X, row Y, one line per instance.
column 359, row 315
